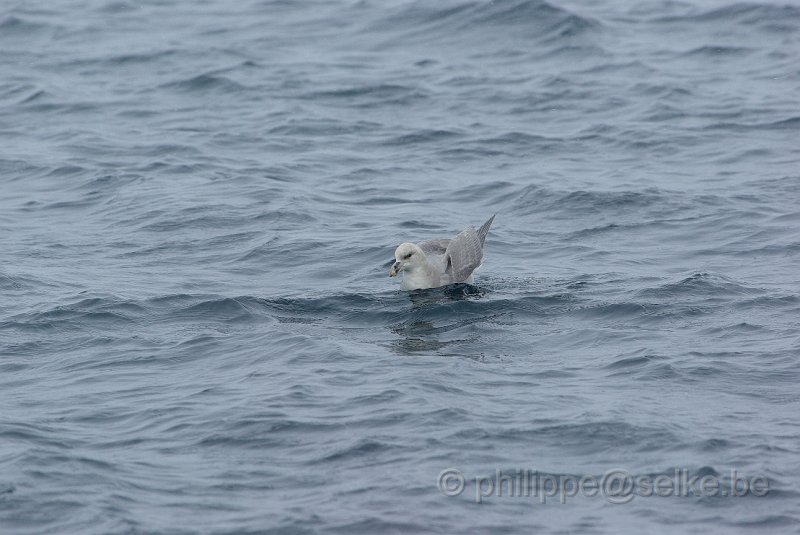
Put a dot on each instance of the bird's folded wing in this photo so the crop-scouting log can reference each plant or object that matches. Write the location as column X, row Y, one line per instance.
column 464, row 253
column 435, row 247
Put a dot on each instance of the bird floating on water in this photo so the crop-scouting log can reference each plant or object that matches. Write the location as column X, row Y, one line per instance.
column 434, row 263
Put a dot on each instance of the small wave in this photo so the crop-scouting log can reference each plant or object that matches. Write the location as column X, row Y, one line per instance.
column 606, row 436
column 223, row 309
column 615, row 311
column 205, row 83
column 368, row 96
column 118, row 6
column 791, row 123
column 461, row 22
column 700, row 286
column 320, row 127
column 262, row 433
column 743, row 13
column 34, row 96
column 753, row 13
column 515, row 143
column 634, row 69
column 380, row 91
column 423, row 137
column 93, row 311
column 200, row 216
column 583, row 201
column 594, row 231
column 12, row 25
column 17, row 282
column 537, row 198
column 495, row 192
column 640, row 360
column 717, row 51
column 361, row 449
column 664, row 92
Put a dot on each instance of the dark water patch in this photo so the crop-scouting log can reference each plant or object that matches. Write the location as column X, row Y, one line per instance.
column 446, row 294
column 425, row 136
column 769, row 17
column 792, row 123
column 206, row 83
column 715, row 370
column 612, row 311
column 145, row 58
column 532, row 198
column 582, row 200
column 227, row 309
column 67, row 171
column 767, row 521
column 719, row 51
column 6, row 489
column 537, row 198
column 417, row 225
column 18, row 282
column 783, row 250
column 512, row 143
column 39, row 435
column 362, row 450
column 747, row 155
column 421, row 329
column 118, row 6
column 369, row 96
column 633, row 68
column 634, row 363
column 715, row 444
column 23, row 94
column 320, row 127
column 744, row 13
column 461, row 154
column 94, row 312
column 127, row 62
column 298, row 253
column 13, row 168
column 609, row 228
column 665, row 92
column 520, row 139
column 771, row 302
column 495, row 192
column 605, row 436
column 384, row 396
column 373, row 524
column 203, row 217
column 12, row 26
column 527, row 19
column 351, row 309
column 365, row 173
column 284, row 217
column 734, row 329
column 48, row 103
column 700, row 285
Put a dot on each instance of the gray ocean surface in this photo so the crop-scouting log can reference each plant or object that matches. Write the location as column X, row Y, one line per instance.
column 200, row 203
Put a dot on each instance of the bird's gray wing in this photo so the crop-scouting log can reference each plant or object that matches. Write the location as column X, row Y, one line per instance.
column 463, row 255
column 435, row 247
column 484, row 230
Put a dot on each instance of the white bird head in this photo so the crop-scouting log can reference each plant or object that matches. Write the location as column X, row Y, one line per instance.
column 408, row 256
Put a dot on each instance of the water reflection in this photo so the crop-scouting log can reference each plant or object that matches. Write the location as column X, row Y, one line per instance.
column 435, row 314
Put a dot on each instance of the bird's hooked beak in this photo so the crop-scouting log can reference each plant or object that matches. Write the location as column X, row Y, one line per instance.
column 395, row 269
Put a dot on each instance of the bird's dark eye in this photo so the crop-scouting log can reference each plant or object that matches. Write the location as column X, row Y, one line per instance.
column 406, row 257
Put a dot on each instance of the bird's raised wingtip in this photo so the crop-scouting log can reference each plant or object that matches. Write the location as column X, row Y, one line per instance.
column 484, row 230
